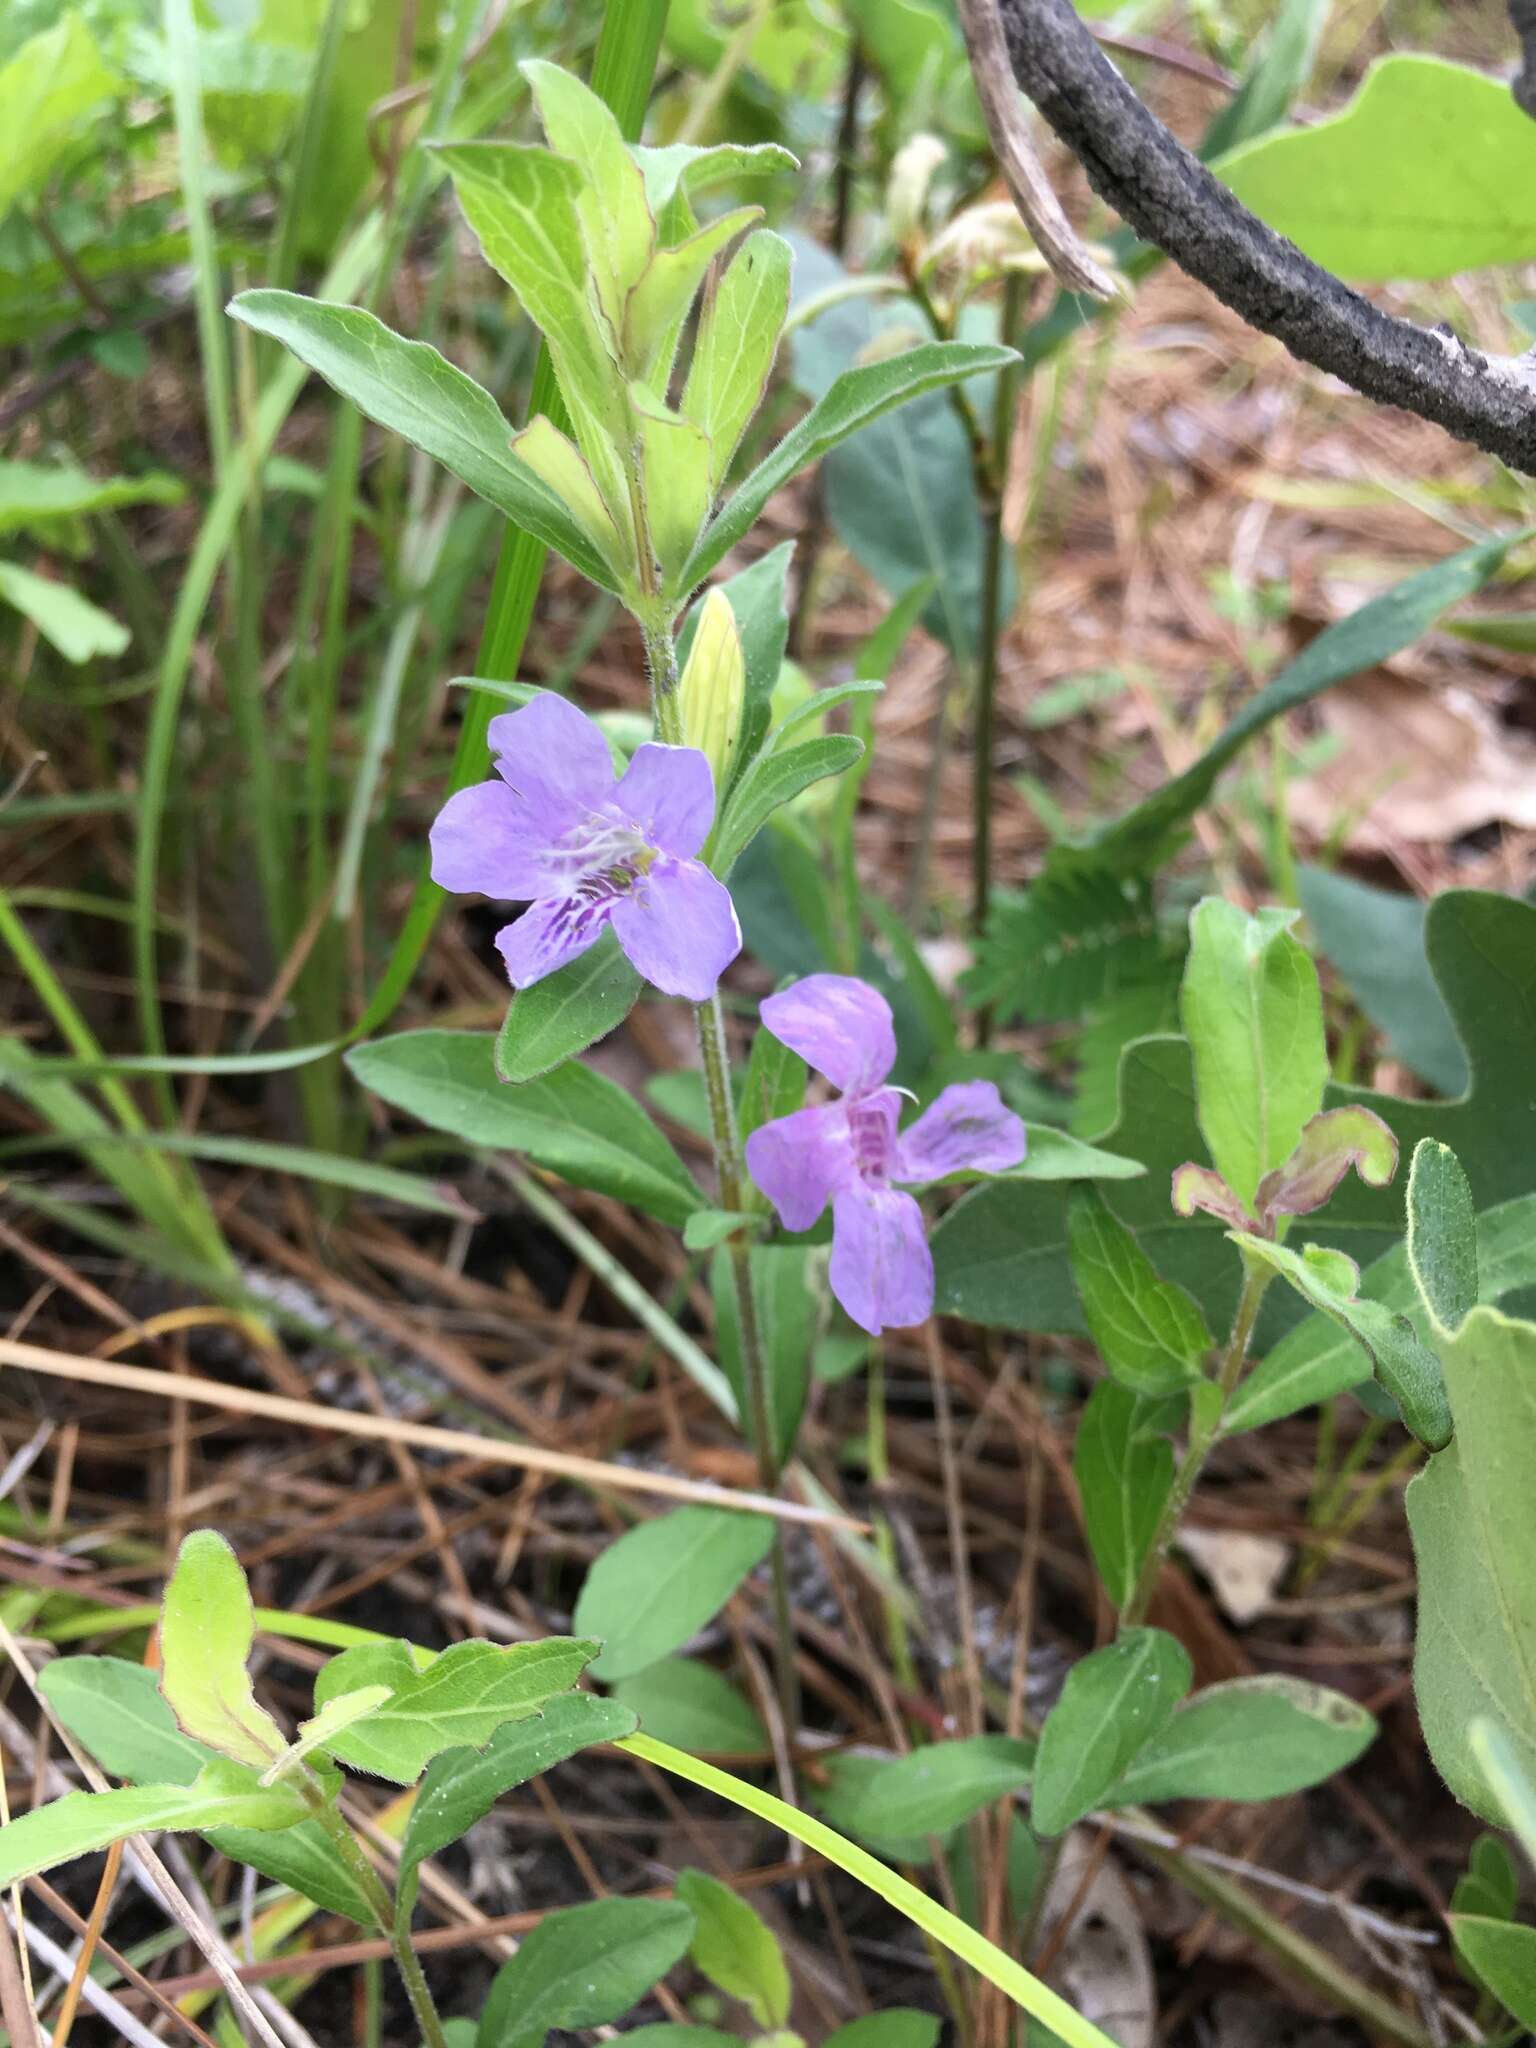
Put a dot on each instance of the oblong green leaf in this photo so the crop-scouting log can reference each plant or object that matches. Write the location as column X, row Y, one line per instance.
column 1442, row 1235
column 855, row 398
column 459, row 1700
column 1113, row 1703
column 933, row 1790
column 772, row 780
column 207, row 1626
column 411, row 389
column 1124, row 1467
column 582, row 1967
column 222, row 1793
column 574, row 1121
column 566, row 1012
column 695, row 1707
column 1251, row 1738
column 733, row 351
column 734, row 1949
column 1150, row 1334
column 1503, row 1954
column 663, row 1580
column 462, row 1785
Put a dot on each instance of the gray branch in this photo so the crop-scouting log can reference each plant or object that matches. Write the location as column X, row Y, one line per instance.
column 1170, row 198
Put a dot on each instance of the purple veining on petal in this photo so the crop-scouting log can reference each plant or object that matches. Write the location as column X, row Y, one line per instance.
column 967, row 1128
column 583, row 851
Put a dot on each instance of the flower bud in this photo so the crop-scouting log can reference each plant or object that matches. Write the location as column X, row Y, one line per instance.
column 906, row 193
column 712, row 689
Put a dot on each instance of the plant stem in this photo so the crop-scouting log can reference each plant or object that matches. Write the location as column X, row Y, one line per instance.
column 382, row 1905
column 714, row 1055
column 991, row 480
column 1204, row 1429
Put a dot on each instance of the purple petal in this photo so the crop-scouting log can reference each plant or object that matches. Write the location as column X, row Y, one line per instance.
column 841, row 1026
column 800, row 1161
column 678, row 926
column 965, row 1129
column 882, row 1270
column 550, row 933
column 554, row 758
column 669, row 792
column 484, row 840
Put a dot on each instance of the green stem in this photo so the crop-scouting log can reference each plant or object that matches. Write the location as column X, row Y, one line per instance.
column 382, row 1905
column 714, row 1056
column 1204, row 1429
column 990, row 483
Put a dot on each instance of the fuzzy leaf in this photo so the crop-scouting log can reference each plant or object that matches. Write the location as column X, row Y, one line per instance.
column 733, row 352
column 1442, row 1235
column 1251, row 1738
column 460, row 1700
column 207, row 1627
column 223, row 1793
column 1330, row 1144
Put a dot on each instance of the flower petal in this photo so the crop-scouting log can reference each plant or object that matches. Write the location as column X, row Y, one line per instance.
column 669, row 792
column 841, row 1026
column 549, row 933
column 554, row 758
column 800, row 1161
column 882, row 1270
column 678, row 926
column 966, row 1128
column 484, row 840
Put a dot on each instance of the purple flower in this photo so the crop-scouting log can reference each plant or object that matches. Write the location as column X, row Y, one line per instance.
column 849, row 1151
column 585, row 851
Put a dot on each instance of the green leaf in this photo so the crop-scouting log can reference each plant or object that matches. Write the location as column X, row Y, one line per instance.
column 222, row 1793
column 693, row 1706
column 616, row 223
column 674, row 482
column 734, row 1949
column 1402, row 1363
column 898, row 2026
column 1320, row 1358
column 1474, row 1541
column 1253, row 1014
column 462, row 1785
column 858, row 396
column 772, row 780
column 1330, row 1144
column 524, row 207
column 1442, row 1235
column 1374, row 940
column 574, row 1121
column 707, row 1228
column 1367, row 637
column 409, row 388
column 557, row 462
column 70, row 623
column 786, row 1319
column 46, row 90
column 1281, row 66
column 673, row 167
column 206, row 1630
column 566, row 1012
column 1000, row 1255
column 1057, row 1155
column 931, row 1791
column 118, row 1711
column 1113, row 1704
column 660, row 302
column 1251, row 1738
column 460, row 1699
column 583, row 1967
column 40, row 496
column 733, row 351
column 1439, row 163
column 1083, row 934
column 1503, row 1957
column 1490, row 1884
column 1150, row 1334
column 663, row 1580
column 1124, row 1466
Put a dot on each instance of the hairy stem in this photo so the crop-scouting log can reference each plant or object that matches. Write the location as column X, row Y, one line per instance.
column 382, row 1905
column 714, row 1055
column 1203, row 1433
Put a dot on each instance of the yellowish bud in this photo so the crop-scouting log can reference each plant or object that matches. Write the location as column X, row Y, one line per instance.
column 713, row 687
